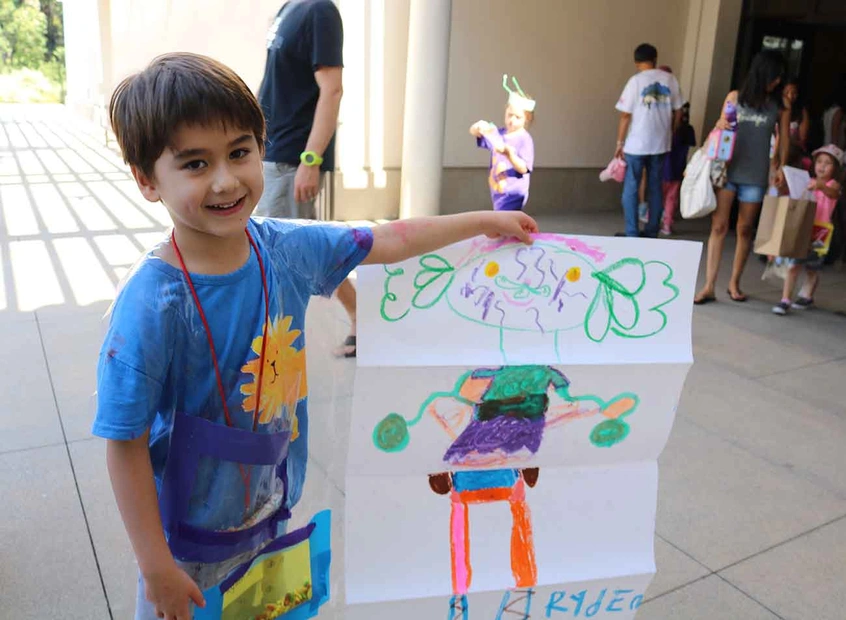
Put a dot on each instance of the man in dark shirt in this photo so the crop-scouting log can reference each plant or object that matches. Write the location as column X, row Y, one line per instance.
column 300, row 95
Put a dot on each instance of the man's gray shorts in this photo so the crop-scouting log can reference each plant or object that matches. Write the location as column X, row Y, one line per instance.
column 277, row 200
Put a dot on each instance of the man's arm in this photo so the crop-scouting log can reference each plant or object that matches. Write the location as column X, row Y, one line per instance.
column 622, row 131
column 329, row 80
column 168, row 587
column 397, row 241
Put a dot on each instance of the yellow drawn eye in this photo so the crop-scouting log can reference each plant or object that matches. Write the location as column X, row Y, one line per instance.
column 573, row 274
column 491, row 269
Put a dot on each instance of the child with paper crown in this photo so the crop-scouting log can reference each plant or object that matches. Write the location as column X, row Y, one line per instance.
column 512, row 150
column 826, row 190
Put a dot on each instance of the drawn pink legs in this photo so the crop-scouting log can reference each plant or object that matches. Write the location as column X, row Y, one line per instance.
column 523, row 564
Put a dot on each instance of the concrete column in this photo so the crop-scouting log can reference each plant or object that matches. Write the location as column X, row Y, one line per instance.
column 425, row 107
column 710, row 42
column 104, row 10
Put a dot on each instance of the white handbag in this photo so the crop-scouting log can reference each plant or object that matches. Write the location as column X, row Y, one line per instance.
column 697, row 194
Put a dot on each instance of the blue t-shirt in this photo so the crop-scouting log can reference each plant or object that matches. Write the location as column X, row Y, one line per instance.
column 156, row 360
column 306, row 35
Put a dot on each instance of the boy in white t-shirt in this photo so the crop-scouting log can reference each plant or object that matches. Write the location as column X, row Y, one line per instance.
column 650, row 110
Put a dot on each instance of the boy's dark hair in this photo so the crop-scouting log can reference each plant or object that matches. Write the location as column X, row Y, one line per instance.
column 767, row 67
column 645, row 53
column 177, row 89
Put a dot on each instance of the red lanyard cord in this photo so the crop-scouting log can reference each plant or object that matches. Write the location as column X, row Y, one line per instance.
column 245, row 474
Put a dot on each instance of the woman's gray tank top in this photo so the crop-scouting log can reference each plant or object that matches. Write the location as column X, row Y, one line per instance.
column 750, row 164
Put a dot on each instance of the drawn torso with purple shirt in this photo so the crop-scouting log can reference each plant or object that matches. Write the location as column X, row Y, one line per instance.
column 511, row 416
column 509, row 188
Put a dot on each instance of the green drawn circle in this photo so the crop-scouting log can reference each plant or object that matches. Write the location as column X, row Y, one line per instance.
column 610, row 432
column 391, row 434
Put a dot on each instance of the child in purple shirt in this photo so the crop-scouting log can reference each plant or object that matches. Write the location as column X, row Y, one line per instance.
column 674, row 164
column 512, row 151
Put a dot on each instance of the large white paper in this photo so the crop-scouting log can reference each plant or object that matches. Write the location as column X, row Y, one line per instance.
column 583, row 521
column 573, row 300
column 510, row 406
column 797, row 183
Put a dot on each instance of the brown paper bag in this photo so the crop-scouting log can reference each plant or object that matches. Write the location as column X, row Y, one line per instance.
column 785, row 227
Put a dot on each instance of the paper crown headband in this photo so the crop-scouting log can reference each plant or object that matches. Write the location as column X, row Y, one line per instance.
column 517, row 98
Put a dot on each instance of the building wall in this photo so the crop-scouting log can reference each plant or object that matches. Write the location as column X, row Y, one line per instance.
column 83, row 55
column 710, row 45
column 574, row 56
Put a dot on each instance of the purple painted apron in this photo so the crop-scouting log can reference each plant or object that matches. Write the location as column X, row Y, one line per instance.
column 193, row 438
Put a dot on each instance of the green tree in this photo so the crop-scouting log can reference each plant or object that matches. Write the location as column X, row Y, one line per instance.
column 23, row 34
column 52, row 10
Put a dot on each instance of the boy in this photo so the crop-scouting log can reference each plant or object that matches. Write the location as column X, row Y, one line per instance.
column 201, row 380
column 650, row 110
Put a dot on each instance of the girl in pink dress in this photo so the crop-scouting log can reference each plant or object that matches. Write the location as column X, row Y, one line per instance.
column 827, row 162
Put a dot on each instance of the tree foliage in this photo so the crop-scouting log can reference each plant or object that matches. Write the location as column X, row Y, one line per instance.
column 30, row 33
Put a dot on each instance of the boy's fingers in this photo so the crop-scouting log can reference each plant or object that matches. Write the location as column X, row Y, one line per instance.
column 184, row 613
column 523, row 235
column 530, row 224
column 197, row 596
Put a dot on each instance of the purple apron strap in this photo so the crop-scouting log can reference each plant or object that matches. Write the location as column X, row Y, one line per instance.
column 195, row 544
column 191, row 438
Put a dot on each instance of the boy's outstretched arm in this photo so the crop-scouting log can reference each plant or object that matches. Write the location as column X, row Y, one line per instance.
column 398, row 241
column 169, row 588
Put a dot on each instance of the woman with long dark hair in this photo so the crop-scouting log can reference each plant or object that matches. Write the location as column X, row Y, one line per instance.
column 800, row 124
column 759, row 110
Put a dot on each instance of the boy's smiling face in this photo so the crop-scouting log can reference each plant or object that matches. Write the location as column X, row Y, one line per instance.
column 209, row 179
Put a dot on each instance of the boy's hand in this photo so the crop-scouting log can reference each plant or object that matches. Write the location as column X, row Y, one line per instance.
column 510, row 224
column 171, row 592
column 723, row 124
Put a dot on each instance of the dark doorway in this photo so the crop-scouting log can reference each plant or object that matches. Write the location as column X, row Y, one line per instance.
column 811, row 34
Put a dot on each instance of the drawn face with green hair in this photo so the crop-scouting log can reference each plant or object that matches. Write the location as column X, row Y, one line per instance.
column 557, row 284
column 535, row 289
